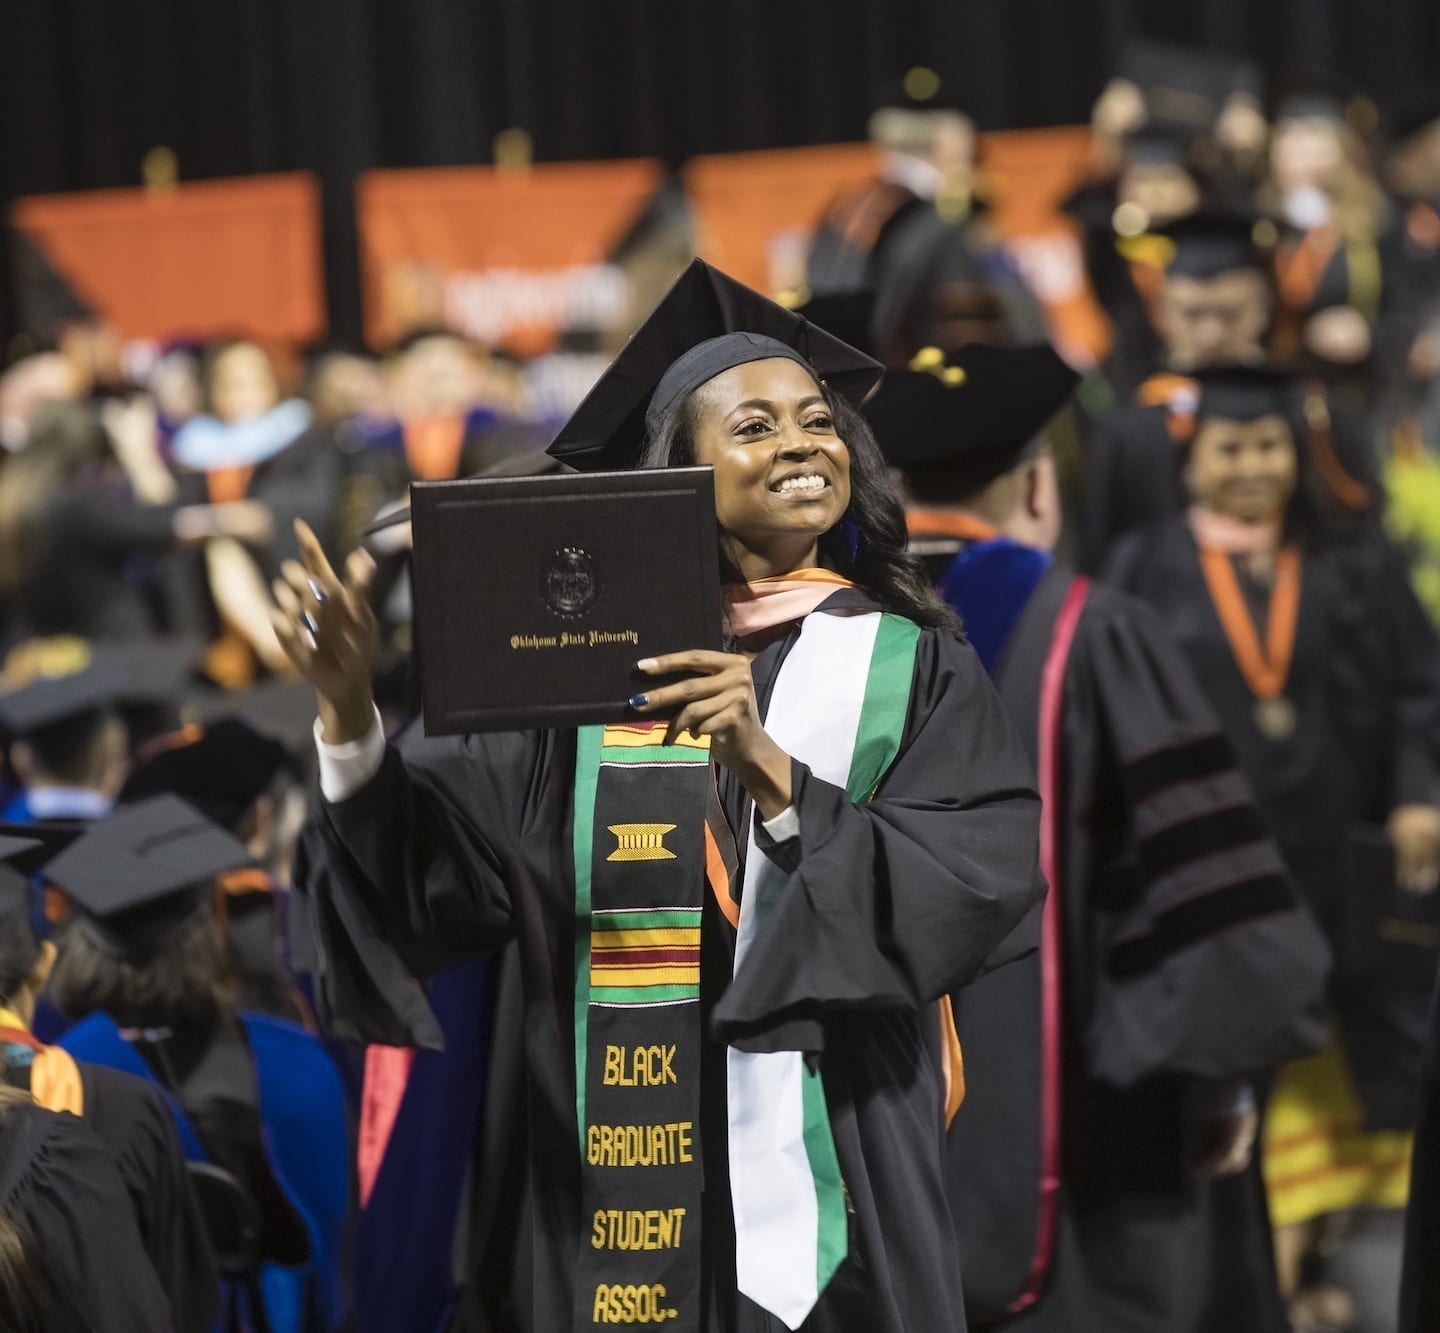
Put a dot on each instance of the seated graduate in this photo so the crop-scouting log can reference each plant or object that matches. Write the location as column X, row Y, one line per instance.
column 1211, row 298
column 241, row 779
column 141, row 971
column 127, row 1115
column 71, row 1253
column 867, row 791
column 1106, row 1074
column 1309, row 642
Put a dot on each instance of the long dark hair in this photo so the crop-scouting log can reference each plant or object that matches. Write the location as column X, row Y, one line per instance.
column 185, row 984
column 867, row 545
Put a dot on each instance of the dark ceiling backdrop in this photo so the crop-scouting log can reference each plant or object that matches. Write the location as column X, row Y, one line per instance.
column 336, row 86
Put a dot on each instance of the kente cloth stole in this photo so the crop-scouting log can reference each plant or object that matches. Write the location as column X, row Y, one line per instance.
column 639, row 846
column 838, row 705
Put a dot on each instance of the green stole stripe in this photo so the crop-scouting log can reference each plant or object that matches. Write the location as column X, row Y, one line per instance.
column 877, row 741
column 587, row 773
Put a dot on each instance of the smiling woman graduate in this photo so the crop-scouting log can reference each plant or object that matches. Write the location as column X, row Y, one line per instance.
column 735, row 1083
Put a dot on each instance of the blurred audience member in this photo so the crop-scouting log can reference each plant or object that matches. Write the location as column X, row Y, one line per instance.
column 45, row 377
column 77, row 548
column 1330, row 213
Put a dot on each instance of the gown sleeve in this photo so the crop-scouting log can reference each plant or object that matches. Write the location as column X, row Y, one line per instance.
column 412, row 874
column 70, row 1206
column 900, row 900
column 1189, row 951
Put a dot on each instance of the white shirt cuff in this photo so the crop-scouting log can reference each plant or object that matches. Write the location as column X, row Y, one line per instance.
column 344, row 769
column 784, row 826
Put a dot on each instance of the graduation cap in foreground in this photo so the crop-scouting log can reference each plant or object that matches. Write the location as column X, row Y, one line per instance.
column 222, row 768
column 974, row 414
column 919, row 89
column 143, row 872
column 706, row 324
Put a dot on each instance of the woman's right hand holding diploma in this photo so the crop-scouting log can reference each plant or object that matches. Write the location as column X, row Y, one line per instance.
column 327, row 629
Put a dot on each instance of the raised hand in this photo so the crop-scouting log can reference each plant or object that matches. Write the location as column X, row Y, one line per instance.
column 327, row 629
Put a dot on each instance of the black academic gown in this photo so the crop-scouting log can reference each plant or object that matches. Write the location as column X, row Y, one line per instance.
column 1187, row 962
column 459, row 844
column 133, row 1123
column 60, row 1189
column 1365, row 683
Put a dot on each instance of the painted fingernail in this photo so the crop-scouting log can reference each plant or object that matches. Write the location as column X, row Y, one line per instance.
column 316, row 591
column 310, row 622
column 645, row 664
column 638, row 700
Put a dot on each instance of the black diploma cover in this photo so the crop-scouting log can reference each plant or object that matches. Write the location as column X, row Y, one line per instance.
column 535, row 596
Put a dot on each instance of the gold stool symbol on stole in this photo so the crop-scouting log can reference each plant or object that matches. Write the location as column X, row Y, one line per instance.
column 640, row 842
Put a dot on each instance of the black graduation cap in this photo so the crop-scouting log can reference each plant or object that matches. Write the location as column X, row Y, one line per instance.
column 222, row 768
column 1160, row 145
column 974, row 413
column 283, row 710
column 1212, row 241
column 1184, row 85
column 919, row 89
column 48, row 682
column 690, row 337
column 146, row 870
column 1246, row 393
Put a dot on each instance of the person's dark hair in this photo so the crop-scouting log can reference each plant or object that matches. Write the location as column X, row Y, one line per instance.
column 65, row 752
column 868, row 545
column 18, row 951
column 66, row 439
column 25, row 1296
column 945, row 484
column 185, row 983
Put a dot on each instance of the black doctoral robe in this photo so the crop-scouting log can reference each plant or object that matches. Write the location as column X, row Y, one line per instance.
column 134, row 1125
column 1186, row 962
column 459, row 844
column 1365, row 682
column 60, row 1190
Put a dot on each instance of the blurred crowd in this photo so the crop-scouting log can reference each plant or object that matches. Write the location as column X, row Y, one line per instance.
column 146, row 506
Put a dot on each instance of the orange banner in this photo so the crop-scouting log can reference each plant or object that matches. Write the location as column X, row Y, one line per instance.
column 511, row 256
column 202, row 258
column 755, row 213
